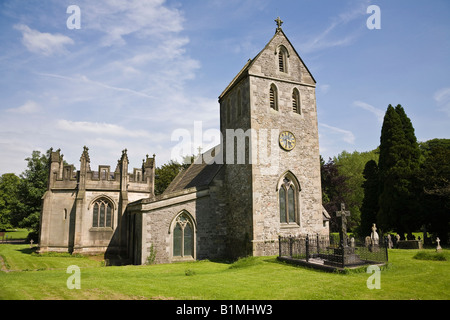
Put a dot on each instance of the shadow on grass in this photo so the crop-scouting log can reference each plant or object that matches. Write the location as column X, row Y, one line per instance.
column 28, row 250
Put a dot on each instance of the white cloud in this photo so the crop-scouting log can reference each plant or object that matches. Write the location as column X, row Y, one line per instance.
column 42, row 42
column 28, row 107
column 377, row 112
column 99, row 129
column 120, row 19
column 442, row 98
column 345, row 135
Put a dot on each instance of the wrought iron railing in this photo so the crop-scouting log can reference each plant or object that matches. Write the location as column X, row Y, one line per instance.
column 330, row 251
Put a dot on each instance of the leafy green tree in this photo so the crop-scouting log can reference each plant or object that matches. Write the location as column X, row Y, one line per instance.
column 369, row 206
column 351, row 166
column 33, row 184
column 9, row 192
column 333, row 188
column 165, row 174
column 435, row 184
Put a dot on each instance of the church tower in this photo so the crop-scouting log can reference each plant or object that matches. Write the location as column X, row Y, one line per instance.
column 271, row 150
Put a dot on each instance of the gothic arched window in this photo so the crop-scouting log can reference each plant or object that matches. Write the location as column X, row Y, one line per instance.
column 102, row 214
column 183, row 236
column 296, row 103
column 288, row 195
column 282, row 59
column 273, row 97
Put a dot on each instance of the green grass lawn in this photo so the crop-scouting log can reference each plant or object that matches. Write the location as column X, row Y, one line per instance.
column 15, row 234
column 262, row 278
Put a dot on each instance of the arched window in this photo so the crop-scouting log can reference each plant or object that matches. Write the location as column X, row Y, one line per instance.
column 282, row 59
column 288, row 195
column 296, row 103
column 102, row 214
column 183, row 237
column 273, row 97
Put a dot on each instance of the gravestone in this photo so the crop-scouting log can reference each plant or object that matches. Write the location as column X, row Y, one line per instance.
column 438, row 248
column 346, row 252
column 390, row 243
column 343, row 229
column 374, row 238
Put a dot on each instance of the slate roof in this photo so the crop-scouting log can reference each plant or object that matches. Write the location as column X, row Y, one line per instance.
column 196, row 175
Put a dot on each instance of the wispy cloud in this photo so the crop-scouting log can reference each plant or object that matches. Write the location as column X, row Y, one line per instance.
column 99, row 129
column 28, row 107
column 442, row 98
column 120, row 19
column 43, row 42
column 379, row 114
column 344, row 135
column 85, row 79
column 330, row 37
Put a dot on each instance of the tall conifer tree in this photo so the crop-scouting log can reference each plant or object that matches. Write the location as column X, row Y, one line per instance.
column 398, row 165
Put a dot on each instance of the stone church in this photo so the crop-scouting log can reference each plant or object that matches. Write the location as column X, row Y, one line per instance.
column 234, row 200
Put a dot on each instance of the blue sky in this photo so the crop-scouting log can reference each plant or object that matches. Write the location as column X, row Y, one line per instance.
column 137, row 71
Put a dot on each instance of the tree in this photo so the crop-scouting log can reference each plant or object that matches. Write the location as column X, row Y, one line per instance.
column 333, row 189
column 33, row 184
column 9, row 192
column 351, row 166
column 398, row 168
column 165, row 174
column 435, row 183
column 369, row 206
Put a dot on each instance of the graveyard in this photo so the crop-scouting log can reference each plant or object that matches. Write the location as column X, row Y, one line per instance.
column 409, row 274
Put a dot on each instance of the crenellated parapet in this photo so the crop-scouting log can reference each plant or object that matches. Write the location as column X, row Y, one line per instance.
column 65, row 176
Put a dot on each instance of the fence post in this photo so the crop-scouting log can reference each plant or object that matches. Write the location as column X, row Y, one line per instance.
column 290, row 246
column 318, row 245
column 279, row 246
column 307, row 248
column 386, row 244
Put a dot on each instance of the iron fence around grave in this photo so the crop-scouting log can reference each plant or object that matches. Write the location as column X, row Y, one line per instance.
column 328, row 250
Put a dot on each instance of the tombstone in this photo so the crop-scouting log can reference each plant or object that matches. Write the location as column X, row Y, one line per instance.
column 368, row 242
column 345, row 255
column 352, row 242
column 374, row 235
column 390, row 244
column 438, row 248
column 31, row 243
column 343, row 229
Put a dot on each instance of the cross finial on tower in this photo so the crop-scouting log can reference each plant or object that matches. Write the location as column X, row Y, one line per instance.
column 279, row 23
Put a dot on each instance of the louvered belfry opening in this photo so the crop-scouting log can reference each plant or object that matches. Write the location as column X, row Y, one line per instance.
column 273, row 98
column 281, row 61
column 294, row 102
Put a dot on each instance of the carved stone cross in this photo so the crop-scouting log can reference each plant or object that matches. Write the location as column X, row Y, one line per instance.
column 279, row 22
column 343, row 230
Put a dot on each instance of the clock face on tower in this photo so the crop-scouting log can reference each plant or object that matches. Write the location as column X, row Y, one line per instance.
column 287, row 140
